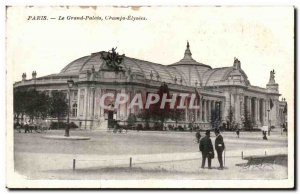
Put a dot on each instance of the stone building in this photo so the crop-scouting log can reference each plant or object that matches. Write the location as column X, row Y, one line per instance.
column 225, row 88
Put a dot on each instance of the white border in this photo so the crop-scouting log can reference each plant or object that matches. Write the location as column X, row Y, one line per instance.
column 180, row 184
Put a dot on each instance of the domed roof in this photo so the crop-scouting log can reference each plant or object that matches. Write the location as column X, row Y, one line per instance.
column 188, row 60
column 186, row 72
column 75, row 66
column 190, row 68
column 223, row 74
column 217, row 74
column 149, row 70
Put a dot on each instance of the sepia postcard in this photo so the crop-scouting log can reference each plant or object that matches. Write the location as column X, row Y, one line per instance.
column 116, row 97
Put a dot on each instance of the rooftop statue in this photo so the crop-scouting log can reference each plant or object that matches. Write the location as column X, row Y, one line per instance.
column 272, row 77
column 113, row 59
column 272, row 74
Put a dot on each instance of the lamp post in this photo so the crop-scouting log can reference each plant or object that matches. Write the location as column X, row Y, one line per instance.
column 70, row 85
column 269, row 123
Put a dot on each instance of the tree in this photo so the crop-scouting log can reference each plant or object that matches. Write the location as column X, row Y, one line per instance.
column 42, row 105
column 156, row 112
column 247, row 121
column 131, row 120
column 36, row 106
column 145, row 115
column 58, row 106
column 32, row 98
column 215, row 118
column 19, row 105
column 230, row 120
column 177, row 115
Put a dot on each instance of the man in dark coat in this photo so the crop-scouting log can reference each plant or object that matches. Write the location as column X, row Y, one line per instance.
column 207, row 149
column 219, row 146
column 238, row 133
column 198, row 136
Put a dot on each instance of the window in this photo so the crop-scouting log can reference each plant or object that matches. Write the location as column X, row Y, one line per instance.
column 74, row 110
column 75, row 95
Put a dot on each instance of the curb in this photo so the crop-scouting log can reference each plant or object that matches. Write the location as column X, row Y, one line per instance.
column 66, row 138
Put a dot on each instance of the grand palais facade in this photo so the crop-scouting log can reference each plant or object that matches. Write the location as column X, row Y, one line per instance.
column 225, row 87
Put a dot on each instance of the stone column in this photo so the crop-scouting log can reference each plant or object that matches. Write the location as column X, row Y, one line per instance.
column 277, row 113
column 276, row 119
column 117, row 108
column 186, row 110
column 208, row 110
column 196, row 111
column 250, row 107
column 133, row 93
column 128, row 103
column 245, row 105
column 204, row 111
column 92, row 102
column 242, row 104
column 92, row 106
column 271, row 114
column 78, row 100
column 220, row 111
column 237, row 108
column 266, row 111
column 223, row 110
column 214, row 106
column 258, row 111
column 102, row 109
column 263, row 111
column 200, row 110
column 253, row 113
column 123, row 111
column 255, row 110
column 86, row 108
column 97, row 102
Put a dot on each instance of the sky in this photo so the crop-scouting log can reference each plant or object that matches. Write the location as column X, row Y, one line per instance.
column 262, row 38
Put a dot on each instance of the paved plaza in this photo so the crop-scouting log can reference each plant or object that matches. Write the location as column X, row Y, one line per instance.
column 155, row 155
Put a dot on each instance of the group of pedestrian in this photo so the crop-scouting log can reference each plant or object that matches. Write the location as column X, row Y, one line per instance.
column 207, row 149
column 118, row 128
column 29, row 126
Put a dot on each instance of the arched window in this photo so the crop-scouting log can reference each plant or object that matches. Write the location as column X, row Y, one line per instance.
column 74, row 110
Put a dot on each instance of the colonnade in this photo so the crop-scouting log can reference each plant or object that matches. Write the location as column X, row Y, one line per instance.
column 92, row 109
column 257, row 109
column 204, row 113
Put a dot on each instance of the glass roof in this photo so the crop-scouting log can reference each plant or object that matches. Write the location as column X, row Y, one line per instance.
column 186, row 72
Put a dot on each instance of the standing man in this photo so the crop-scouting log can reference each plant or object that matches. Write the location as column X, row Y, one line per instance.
column 26, row 126
column 265, row 135
column 238, row 132
column 198, row 135
column 207, row 149
column 219, row 146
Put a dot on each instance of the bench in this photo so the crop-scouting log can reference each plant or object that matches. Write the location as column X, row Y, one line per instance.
column 262, row 162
